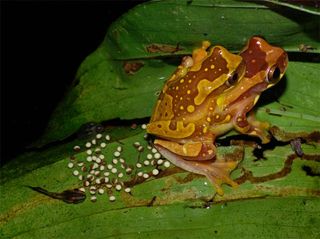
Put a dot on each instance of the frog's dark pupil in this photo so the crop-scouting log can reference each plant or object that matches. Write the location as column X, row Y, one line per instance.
column 276, row 73
column 233, row 79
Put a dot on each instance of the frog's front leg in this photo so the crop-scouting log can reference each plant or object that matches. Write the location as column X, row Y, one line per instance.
column 216, row 171
column 250, row 126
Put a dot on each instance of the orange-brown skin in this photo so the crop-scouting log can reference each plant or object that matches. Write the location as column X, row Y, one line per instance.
column 208, row 95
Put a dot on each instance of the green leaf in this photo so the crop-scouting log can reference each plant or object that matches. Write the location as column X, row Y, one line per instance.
column 104, row 91
column 284, row 193
column 301, row 6
column 296, row 108
column 278, row 194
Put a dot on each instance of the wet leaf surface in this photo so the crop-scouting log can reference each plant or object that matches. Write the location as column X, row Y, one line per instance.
column 279, row 183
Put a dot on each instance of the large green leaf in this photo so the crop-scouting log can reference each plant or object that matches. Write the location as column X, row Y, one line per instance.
column 181, row 199
column 153, row 34
column 171, row 203
column 279, row 191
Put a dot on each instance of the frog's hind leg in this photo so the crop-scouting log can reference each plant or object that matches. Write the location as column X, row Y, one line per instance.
column 218, row 172
column 194, row 150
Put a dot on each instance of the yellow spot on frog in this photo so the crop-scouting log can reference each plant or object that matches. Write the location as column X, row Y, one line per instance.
column 208, row 119
column 188, row 92
column 206, row 69
column 217, row 116
column 256, row 99
column 181, row 98
column 239, row 119
column 211, row 108
column 212, row 66
column 177, row 87
column 182, row 71
column 205, row 129
column 190, row 108
column 220, row 101
column 253, row 132
column 189, row 81
column 181, row 107
column 181, row 81
column 253, row 61
column 227, row 119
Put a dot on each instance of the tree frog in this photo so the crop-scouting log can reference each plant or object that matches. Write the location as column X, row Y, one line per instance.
column 209, row 94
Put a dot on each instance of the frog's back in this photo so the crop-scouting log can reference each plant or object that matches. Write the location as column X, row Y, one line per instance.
column 185, row 99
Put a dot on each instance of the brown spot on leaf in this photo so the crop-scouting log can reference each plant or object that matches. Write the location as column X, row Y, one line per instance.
column 248, row 176
column 132, row 67
column 281, row 135
column 156, row 48
column 249, row 143
column 150, row 204
column 306, row 48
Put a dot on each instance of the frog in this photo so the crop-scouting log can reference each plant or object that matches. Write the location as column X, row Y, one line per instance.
column 210, row 93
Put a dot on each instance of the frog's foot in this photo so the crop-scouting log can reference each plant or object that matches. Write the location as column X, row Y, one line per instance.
column 218, row 172
column 191, row 150
column 260, row 128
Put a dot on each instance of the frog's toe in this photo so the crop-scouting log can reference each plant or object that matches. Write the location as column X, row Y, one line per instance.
column 219, row 173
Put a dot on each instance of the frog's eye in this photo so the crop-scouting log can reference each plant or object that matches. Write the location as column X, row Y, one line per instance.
column 233, row 78
column 274, row 74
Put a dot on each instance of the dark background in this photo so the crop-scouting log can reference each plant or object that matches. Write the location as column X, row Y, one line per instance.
column 42, row 45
